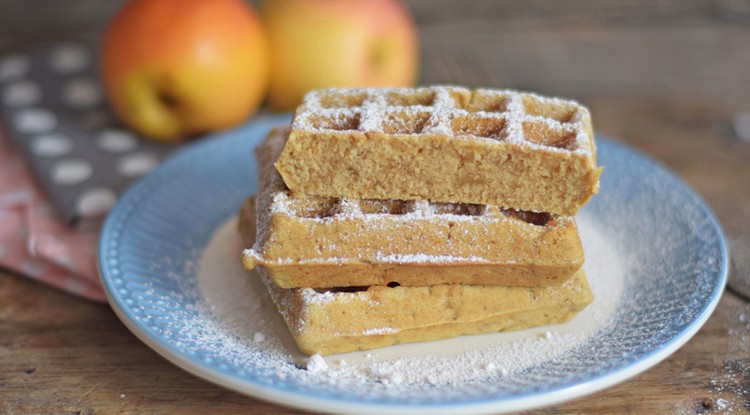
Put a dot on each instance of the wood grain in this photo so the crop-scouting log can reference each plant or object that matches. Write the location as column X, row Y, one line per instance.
column 665, row 77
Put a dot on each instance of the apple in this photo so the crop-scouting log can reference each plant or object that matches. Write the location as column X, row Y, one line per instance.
column 175, row 68
column 337, row 43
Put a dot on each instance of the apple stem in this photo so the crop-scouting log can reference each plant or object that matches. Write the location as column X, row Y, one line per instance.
column 168, row 99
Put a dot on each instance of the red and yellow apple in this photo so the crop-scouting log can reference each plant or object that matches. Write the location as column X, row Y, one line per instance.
column 337, row 43
column 175, row 68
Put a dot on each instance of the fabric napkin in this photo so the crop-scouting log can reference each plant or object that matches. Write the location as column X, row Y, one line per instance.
column 36, row 243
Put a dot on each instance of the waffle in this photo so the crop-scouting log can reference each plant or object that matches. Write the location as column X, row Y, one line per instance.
column 445, row 144
column 340, row 321
column 328, row 321
column 308, row 241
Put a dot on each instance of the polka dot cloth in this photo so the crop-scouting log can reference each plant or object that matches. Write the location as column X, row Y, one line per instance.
column 63, row 161
column 34, row 241
column 53, row 105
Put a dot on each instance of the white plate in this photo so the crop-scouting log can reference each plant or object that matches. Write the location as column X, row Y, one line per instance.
column 656, row 260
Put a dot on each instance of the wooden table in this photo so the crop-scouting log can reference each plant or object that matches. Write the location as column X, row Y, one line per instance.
column 666, row 78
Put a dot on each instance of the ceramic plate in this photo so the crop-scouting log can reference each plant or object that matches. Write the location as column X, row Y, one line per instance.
column 655, row 257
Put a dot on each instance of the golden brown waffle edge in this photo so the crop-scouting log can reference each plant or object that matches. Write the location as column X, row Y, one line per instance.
column 447, row 144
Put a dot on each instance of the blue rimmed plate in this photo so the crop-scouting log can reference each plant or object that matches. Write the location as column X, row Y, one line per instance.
column 672, row 273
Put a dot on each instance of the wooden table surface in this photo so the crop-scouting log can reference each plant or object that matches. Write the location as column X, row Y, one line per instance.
column 667, row 78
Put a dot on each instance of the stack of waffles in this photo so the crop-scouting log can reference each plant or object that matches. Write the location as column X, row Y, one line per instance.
column 386, row 216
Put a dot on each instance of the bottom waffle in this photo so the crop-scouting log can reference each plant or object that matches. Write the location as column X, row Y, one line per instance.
column 328, row 321
column 339, row 321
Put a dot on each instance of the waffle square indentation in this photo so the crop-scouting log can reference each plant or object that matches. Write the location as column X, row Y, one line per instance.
column 424, row 97
column 391, row 207
column 547, row 135
column 459, row 98
column 313, row 207
column 487, row 127
column 405, row 122
column 534, row 218
column 487, row 101
column 336, row 122
column 560, row 112
column 343, row 100
column 463, row 209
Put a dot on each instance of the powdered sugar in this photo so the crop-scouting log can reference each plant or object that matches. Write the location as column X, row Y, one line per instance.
column 427, row 259
column 380, row 330
column 380, row 257
column 374, row 211
column 731, row 379
column 240, row 307
column 316, row 364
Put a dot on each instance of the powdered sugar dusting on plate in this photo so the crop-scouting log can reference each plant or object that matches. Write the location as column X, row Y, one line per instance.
column 237, row 308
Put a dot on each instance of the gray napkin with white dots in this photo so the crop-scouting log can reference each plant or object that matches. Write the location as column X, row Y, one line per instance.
column 53, row 107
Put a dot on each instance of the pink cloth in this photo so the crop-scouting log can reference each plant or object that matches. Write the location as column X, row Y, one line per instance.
column 34, row 241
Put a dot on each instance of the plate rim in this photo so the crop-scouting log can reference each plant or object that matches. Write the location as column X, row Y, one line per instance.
column 305, row 401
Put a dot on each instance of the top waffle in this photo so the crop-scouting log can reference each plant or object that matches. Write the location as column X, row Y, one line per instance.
column 445, row 144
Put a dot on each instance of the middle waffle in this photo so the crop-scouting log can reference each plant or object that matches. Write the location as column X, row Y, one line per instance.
column 318, row 242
